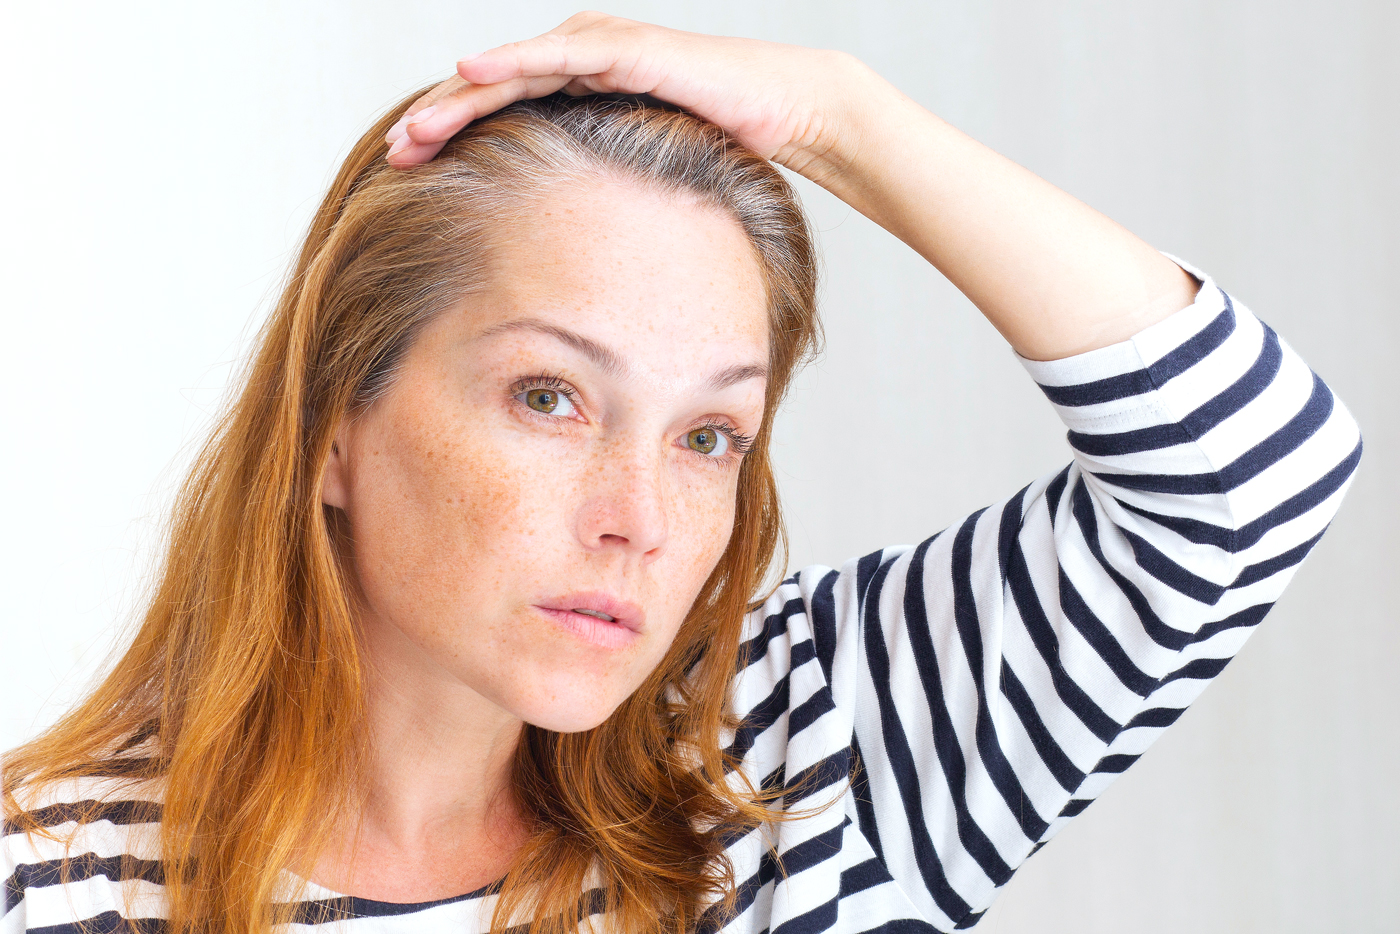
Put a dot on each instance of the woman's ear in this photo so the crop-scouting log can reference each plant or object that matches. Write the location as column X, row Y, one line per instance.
column 335, row 478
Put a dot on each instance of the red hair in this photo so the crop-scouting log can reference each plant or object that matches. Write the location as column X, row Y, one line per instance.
column 245, row 678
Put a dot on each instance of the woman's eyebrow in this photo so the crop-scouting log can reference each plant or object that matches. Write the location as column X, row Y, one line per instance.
column 605, row 358
column 737, row 374
column 610, row 361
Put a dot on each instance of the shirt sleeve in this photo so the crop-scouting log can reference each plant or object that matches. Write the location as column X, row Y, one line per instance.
column 997, row 677
column 12, row 910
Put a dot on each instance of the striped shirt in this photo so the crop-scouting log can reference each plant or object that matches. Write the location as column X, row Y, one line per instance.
column 941, row 710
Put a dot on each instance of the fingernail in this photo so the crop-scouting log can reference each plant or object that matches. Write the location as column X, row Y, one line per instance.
column 397, row 130
column 468, row 58
column 422, row 115
column 400, row 144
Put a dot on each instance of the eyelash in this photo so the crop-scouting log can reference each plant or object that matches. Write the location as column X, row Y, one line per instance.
column 545, row 381
column 739, row 442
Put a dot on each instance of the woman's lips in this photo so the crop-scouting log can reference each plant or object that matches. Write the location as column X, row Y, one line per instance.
column 596, row 617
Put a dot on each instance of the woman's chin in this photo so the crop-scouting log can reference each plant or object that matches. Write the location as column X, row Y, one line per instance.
column 563, row 714
column 567, row 698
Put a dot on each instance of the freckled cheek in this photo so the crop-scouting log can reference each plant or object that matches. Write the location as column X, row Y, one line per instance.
column 701, row 529
column 488, row 498
column 430, row 500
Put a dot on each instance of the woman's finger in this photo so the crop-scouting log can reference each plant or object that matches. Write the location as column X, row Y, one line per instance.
column 423, row 103
column 454, row 110
column 428, row 128
column 600, row 48
column 589, row 52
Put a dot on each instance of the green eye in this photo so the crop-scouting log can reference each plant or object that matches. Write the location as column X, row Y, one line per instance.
column 704, row 440
column 548, row 397
column 542, row 400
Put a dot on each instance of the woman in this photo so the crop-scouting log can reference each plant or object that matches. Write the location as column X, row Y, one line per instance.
column 457, row 627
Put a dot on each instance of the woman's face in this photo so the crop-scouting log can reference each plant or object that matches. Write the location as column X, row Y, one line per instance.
column 567, row 439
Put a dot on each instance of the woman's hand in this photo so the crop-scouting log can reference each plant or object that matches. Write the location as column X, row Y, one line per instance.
column 784, row 102
column 1053, row 275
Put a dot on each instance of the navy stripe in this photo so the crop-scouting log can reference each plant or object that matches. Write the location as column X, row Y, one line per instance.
column 832, row 770
column 1202, row 669
column 1249, row 616
column 1248, row 465
column 763, row 715
column 774, row 625
column 865, row 806
column 1198, row 347
column 866, row 569
column 1114, row 764
column 1242, row 391
column 864, row 876
column 775, row 779
column 945, row 737
column 128, row 767
column 76, row 869
column 823, row 621
column 1075, row 807
column 1152, row 560
column 1043, row 637
column 1139, row 382
column 1153, row 438
column 1249, row 534
column 1109, row 389
column 813, row 851
column 994, row 760
column 1050, row 752
column 1264, row 569
column 810, row 710
column 821, row 918
column 1156, row 717
column 800, row 654
column 969, row 921
column 123, row 812
column 1088, row 625
column 1054, row 491
column 905, row 926
column 901, row 760
column 108, row 922
column 323, row 910
column 715, row 917
column 1193, row 530
column 1205, row 417
column 1159, row 632
column 1012, row 518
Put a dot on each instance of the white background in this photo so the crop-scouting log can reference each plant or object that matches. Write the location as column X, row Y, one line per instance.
column 160, row 161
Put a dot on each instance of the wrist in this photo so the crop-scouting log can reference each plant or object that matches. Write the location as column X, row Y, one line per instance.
column 856, row 119
column 827, row 140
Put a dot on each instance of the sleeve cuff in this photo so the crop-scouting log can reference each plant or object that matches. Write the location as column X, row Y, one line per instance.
column 1114, row 383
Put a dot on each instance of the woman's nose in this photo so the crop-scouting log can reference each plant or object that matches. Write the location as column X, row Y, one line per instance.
column 627, row 507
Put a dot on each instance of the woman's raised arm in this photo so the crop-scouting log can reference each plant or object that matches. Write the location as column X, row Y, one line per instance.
column 1054, row 276
column 986, row 685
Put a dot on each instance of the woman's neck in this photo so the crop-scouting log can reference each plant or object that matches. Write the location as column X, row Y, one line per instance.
column 437, row 815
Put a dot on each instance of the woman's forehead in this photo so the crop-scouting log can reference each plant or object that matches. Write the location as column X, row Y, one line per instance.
column 635, row 271
column 610, row 247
